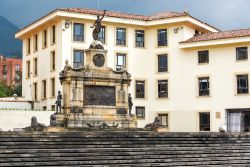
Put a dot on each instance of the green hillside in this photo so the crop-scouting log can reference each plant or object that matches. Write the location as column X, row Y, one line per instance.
column 9, row 46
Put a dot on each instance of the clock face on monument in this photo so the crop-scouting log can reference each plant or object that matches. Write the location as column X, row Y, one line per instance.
column 98, row 60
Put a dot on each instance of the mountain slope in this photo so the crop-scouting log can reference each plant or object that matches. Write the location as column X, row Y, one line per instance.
column 9, row 46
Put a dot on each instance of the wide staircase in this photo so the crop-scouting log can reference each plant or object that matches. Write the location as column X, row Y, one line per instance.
column 130, row 148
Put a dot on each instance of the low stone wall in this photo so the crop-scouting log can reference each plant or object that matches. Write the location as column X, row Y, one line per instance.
column 10, row 119
column 14, row 104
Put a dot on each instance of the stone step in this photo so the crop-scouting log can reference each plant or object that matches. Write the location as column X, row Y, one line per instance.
column 124, row 142
column 126, row 154
column 167, row 162
column 131, row 148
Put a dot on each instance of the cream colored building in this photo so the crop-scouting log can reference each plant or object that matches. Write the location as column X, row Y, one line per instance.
column 192, row 75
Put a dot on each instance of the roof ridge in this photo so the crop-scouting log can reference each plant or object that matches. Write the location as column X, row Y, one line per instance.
column 121, row 12
column 107, row 11
column 167, row 11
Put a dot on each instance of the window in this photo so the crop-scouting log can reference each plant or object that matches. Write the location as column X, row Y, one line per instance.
column 28, row 69
column 121, row 36
column 44, row 89
column 44, row 108
column 197, row 32
column 162, row 88
column 35, row 66
column 4, row 72
column 53, row 34
column 35, row 42
column 204, row 121
column 203, row 56
column 241, row 53
column 139, row 38
column 101, row 35
column 35, row 90
column 28, row 46
column 78, row 32
column 45, row 38
column 140, row 112
column 204, row 86
column 17, row 68
column 140, row 89
column 163, row 119
column 242, row 84
column 78, row 58
column 162, row 37
column 53, row 108
column 17, row 73
column 120, row 61
column 52, row 81
column 163, row 63
column 53, row 60
column 4, row 69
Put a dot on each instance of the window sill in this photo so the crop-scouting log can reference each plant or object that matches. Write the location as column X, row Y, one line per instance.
column 54, row 70
column 164, row 72
column 209, row 96
column 35, row 75
column 243, row 60
column 53, row 44
column 204, row 131
column 242, row 94
column 35, row 51
column 78, row 41
column 140, row 99
column 137, row 47
column 44, row 47
column 165, row 46
column 162, row 98
column 121, row 45
column 139, row 118
column 203, row 63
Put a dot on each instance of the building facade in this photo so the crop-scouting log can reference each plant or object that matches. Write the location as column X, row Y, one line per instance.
column 10, row 71
column 190, row 74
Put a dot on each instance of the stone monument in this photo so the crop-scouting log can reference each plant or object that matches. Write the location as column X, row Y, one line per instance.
column 95, row 95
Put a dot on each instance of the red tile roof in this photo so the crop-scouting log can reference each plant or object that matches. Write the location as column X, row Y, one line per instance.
column 219, row 35
column 162, row 15
column 158, row 16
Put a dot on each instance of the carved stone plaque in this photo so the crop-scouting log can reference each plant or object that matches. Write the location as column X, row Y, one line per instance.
column 99, row 95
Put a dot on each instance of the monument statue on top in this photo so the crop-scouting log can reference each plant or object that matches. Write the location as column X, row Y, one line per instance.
column 98, row 26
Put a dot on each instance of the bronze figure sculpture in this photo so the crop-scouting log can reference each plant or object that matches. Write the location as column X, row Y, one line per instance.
column 59, row 102
column 97, row 25
column 130, row 103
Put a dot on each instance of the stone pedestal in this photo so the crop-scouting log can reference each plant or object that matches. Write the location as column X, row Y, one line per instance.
column 95, row 95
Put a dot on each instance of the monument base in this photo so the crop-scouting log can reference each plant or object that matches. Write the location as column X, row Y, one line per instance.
column 81, row 120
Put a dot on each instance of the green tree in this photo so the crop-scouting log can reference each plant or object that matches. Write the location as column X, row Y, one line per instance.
column 5, row 91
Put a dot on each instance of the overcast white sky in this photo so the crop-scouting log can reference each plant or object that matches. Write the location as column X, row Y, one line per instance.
column 223, row 14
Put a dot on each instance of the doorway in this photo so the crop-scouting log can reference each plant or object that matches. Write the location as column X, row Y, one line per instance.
column 238, row 120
